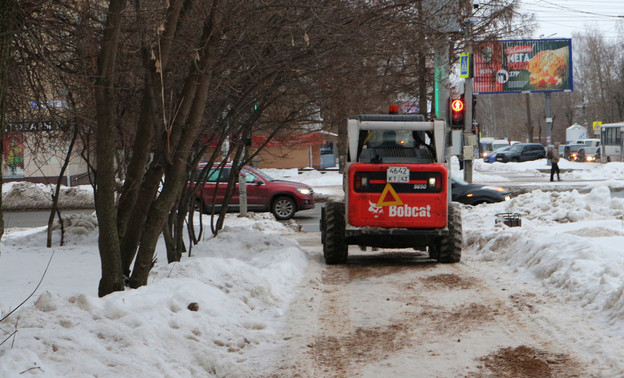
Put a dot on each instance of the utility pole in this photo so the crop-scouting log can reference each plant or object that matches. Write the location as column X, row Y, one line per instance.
column 441, row 96
column 469, row 137
column 448, row 23
column 549, row 121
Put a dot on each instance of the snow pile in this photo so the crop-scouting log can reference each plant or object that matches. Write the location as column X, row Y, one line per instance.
column 493, row 169
column 79, row 229
column 219, row 312
column 597, row 171
column 215, row 313
column 570, row 243
column 29, row 196
column 567, row 206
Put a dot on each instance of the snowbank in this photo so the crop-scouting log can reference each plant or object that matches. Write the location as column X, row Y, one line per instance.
column 29, row 196
column 218, row 312
column 213, row 314
column 570, row 243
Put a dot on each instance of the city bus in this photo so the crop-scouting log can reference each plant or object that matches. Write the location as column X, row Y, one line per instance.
column 611, row 142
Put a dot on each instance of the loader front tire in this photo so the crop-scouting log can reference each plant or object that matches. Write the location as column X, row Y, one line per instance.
column 449, row 248
column 335, row 248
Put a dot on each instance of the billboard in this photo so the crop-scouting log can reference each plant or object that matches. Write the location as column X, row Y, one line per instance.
column 13, row 155
column 520, row 66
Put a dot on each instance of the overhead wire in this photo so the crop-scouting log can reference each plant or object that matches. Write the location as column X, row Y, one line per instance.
column 568, row 16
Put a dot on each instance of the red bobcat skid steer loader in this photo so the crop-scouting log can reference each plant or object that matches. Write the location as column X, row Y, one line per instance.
column 396, row 185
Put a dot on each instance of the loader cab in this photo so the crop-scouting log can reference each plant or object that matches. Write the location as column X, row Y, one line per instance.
column 393, row 146
column 396, row 186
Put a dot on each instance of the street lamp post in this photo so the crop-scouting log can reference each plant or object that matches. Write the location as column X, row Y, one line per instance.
column 469, row 138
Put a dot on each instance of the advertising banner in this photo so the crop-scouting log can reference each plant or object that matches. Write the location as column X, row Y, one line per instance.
column 13, row 155
column 521, row 66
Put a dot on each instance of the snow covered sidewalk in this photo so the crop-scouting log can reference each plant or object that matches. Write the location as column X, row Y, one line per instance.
column 569, row 246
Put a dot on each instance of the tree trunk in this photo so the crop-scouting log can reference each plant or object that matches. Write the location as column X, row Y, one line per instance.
column 57, row 192
column 176, row 224
column 7, row 20
column 144, row 200
column 146, row 126
column 174, row 182
column 108, row 240
column 183, row 134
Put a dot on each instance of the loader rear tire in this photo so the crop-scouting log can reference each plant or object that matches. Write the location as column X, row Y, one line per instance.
column 335, row 248
column 449, row 248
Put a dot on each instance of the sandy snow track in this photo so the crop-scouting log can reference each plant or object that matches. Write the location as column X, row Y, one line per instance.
column 390, row 313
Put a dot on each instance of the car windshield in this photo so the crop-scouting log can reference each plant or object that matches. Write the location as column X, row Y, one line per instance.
column 516, row 148
column 501, row 149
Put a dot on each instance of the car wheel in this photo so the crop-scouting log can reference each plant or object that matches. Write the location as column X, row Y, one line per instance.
column 283, row 208
column 514, row 160
column 335, row 247
column 450, row 247
column 198, row 206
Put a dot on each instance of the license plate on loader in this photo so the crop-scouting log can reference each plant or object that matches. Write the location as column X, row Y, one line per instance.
column 398, row 175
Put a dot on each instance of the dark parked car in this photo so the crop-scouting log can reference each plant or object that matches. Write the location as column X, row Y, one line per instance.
column 522, row 152
column 588, row 154
column 491, row 157
column 570, row 151
column 282, row 198
column 473, row 194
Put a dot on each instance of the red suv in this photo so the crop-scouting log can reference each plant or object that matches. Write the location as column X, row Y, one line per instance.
column 282, row 198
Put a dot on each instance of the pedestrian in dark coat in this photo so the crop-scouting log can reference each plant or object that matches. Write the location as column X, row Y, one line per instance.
column 553, row 155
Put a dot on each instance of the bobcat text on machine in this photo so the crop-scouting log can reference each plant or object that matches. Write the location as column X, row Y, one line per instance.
column 396, row 185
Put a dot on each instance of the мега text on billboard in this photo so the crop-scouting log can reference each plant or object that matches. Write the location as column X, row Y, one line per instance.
column 528, row 65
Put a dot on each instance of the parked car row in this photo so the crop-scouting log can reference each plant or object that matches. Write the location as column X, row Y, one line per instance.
column 570, row 151
column 520, row 152
column 533, row 151
column 282, row 198
column 491, row 156
column 580, row 152
column 488, row 144
column 588, row 154
column 285, row 198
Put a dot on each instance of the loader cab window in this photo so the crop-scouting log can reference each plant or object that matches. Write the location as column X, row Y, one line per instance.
column 394, row 146
column 390, row 139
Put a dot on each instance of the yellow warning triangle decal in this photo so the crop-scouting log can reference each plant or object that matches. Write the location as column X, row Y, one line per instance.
column 384, row 202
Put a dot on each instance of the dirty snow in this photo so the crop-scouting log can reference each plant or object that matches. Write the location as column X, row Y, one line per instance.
column 569, row 246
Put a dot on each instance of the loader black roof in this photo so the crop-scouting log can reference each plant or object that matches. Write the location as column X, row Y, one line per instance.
column 391, row 117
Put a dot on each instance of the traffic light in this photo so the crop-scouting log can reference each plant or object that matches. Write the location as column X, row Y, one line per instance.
column 458, row 110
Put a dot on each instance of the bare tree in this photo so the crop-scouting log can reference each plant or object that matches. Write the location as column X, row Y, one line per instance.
column 156, row 83
column 217, row 69
column 8, row 12
column 598, row 76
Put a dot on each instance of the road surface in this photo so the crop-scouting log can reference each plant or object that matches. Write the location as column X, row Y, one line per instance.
column 34, row 218
column 398, row 314
column 309, row 219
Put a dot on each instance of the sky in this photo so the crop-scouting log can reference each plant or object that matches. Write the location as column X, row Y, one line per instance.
column 561, row 18
column 569, row 246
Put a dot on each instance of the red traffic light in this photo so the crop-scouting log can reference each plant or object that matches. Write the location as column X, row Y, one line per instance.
column 457, row 109
column 457, row 105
